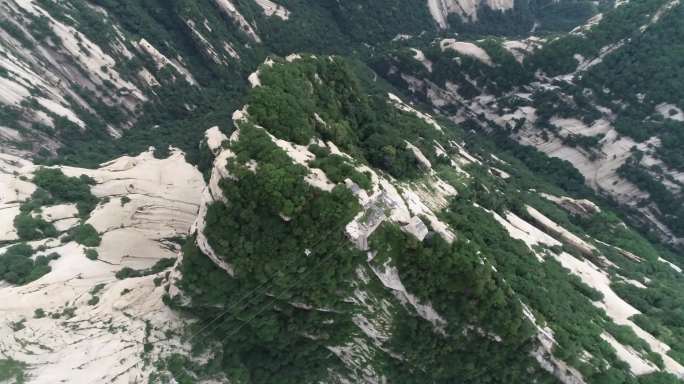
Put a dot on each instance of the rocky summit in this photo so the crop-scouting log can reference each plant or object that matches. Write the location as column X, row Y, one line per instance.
column 320, row 191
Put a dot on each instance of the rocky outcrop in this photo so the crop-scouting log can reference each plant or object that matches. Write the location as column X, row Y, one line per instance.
column 80, row 323
column 417, row 228
column 272, row 9
column 563, row 234
column 52, row 73
column 424, row 162
column 162, row 61
column 593, row 276
column 466, row 49
column 580, row 207
column 465, row 9
column 231, row 11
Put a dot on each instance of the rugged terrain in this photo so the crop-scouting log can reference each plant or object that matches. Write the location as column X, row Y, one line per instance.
column 75, row 321
column 569, row 97
column 444, row 191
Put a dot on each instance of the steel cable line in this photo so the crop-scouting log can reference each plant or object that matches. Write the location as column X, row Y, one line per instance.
column 252, row 292
column 280, row 295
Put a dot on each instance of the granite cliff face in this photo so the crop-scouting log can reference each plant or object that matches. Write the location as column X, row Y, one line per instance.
column 185, row 198
column 466, row 10
column 78, row 322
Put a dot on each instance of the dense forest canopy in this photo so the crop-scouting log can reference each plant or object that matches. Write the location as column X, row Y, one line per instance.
column 379, row 207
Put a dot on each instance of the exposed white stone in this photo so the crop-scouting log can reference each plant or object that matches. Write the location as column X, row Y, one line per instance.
column 616, row 308
column 417, row 228
column 229, row 9
column 7, row 215
column 163, row 61
column 420, row 56
column 293, row 57
column 319, row 179
column 209, row 49
column 301, row 155
column 466, row 49
column 405, row 107
column 465, row 158
column 424, row 162
column 581, row 207
column 389, row 276
column 568, row 237
column 520, row 229
column 520, row 49
column 58, row 212
column 633, row 282
column 172, row 178
column 499, row 173
column 418, row 207
column 670, row 111
column 272, row 9
column 676, row 268
column 148, row 78
column 210, row 194
column 103, row 342
column 599, row 171
column 664, row 9
column 577, row 127
column 588, row 25
column 215, row 139
column 637, row 364
column 624, row 253
column 228, row 47
column 53, row 72
column 254, row 80
column 385, row 203
column 466, row 9
column 402, row 37
column 13, row 191
column 544, row 353
column 605, row 51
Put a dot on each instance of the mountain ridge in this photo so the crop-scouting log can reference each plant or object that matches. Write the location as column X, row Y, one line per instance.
column 362, row 212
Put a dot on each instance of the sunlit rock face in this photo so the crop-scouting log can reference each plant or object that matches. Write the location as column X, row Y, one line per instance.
column 79, row 323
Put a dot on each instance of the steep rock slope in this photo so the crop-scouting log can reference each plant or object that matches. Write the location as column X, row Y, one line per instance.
column 79, row 72
column 441, row 9
column 343, row 235
column 76, row 318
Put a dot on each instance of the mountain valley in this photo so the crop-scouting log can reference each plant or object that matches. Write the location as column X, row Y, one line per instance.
column 393, row 191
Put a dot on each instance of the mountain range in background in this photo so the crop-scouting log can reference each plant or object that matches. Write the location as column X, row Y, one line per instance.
column 388, row 191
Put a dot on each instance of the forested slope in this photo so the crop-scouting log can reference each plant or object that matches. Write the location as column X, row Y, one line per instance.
column 603, row 97
column 299, row 191
column 507, row 310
